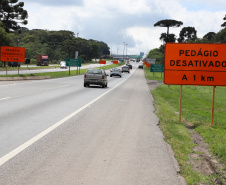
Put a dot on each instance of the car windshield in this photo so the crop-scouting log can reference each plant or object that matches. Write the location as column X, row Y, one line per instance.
column 115, row 69
column 94, row 71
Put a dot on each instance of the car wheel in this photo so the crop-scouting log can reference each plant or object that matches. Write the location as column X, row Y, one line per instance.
column 120, row 76
column 103, row 86
column 84, row 85
column 106, row 85
column 110, row 75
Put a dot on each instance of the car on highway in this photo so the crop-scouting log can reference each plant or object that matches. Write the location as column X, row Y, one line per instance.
column 115, row 72
column 126, row 69
column 129, row 65
column 95, row 76
column 140, row 65
column 63, row 65
column 14, row 64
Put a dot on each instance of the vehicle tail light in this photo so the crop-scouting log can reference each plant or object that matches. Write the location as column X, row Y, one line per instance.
column 102, row 76
column 85, row 76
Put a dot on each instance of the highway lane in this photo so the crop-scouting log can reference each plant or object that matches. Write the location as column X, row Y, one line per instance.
column 29, row 107
column 114, row 140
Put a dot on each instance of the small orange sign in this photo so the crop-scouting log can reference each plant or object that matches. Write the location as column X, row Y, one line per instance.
column 102, row 61
column 195, row 64
column 148, row 65
column 115, row 61
column 12, row 54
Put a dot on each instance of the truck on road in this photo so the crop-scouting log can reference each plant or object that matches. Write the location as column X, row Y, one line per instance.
column 42, row 60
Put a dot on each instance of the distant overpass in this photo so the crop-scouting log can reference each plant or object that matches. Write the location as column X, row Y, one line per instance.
column 126, row 56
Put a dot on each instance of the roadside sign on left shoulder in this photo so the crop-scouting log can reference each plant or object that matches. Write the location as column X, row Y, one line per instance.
column 12, row 54
column 115, row 61
column 102, row 61
column 73, row 62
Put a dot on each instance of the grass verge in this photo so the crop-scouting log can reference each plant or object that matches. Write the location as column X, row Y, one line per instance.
column 196, row 109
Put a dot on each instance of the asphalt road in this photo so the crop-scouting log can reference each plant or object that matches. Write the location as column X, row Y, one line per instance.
column 58, row 132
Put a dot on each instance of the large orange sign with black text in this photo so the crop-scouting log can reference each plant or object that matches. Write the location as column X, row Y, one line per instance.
column 12, row 54
column 195, row 64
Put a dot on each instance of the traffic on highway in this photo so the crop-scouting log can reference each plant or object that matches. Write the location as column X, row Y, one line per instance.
column 55, row 131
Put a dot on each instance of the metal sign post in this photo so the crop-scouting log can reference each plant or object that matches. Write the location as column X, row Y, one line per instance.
column 73, row 62
column 212, row 118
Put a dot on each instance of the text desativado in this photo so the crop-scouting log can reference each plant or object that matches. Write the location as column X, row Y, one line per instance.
column 198, row 63
column 12, row 52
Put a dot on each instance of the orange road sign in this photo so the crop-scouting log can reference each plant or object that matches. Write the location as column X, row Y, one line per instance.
column 115, row 61
column 195, row 64
column 148, row 65
column 102, row 61
column 12, row 54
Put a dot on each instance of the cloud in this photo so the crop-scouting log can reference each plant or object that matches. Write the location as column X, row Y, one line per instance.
column 129, row 21
column 55, row 3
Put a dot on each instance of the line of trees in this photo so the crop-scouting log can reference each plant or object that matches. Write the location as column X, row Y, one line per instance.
column 186, row 35
column 58, row 45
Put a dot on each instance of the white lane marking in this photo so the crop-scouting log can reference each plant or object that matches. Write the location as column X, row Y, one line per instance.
column 22, row 147
column 5, row 98
column 64, row 86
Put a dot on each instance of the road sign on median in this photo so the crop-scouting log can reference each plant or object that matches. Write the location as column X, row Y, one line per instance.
column 73, row 62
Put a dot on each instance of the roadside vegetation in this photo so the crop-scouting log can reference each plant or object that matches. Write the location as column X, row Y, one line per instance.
column 196, row 116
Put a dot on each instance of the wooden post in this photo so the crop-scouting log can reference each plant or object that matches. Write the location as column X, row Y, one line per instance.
column 6, row 65
column 180, row 103
column 214, row 87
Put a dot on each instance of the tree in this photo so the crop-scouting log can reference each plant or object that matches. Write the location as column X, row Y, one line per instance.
column 221, row 36
column 12, row 14
column 168, row 23
column 156, row 54
column 4, row 37
column 187, row 33
column 171, row 37
column 209, row 36
column 224, row 24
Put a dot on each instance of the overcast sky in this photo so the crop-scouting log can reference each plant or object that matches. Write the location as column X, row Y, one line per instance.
column 131, row 21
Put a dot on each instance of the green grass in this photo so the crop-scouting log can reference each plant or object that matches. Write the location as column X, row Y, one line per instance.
column 196, row 109
column 63, row 73
column 153, row 76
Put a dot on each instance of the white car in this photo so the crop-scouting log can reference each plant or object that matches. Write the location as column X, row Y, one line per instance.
column 115, row 72
column 63, row 65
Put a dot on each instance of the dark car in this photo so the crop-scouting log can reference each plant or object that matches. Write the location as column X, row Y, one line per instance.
column 95, row 77
column 14, row 64
column 140, row 66
column 129, row 65
column 126, row 69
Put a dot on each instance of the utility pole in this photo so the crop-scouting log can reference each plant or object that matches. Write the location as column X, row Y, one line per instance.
column 123, row 49
column 126, row 51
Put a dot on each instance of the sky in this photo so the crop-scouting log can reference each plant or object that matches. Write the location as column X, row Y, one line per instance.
column 125, row 24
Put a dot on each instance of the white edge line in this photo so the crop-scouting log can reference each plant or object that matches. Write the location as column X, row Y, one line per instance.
column 22, row 147
column 5, row 98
